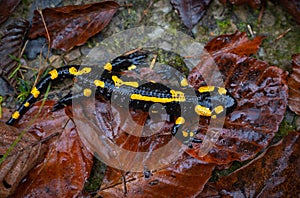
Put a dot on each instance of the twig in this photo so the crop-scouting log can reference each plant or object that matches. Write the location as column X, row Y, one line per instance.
column 44, row 23
column 49, row 43
column 132, row 51
column 153, row 61
column 283, row 34
column 124, row 185
column 261, row 13
column 146, row 10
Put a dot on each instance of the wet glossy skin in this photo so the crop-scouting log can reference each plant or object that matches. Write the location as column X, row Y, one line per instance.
column 208, row 101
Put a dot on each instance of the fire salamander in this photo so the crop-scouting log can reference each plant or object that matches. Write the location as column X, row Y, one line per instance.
column 139, row 96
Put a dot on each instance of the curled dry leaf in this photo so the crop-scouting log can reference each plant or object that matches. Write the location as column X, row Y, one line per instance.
column 275, row 173
column 24, row 156
column 10, row 48
column 6, row 8
column 183, row 178
column 261, row 94
column 71, row 26
column 190, row 11
column 67, row 163
column 294, row 85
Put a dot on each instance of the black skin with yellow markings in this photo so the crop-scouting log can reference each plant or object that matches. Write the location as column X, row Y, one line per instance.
column 140, row 96
column 119, row 64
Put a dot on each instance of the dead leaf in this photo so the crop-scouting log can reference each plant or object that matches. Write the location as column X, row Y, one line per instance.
column 6, row 8
column 275, row 173
column 183, row 178
column 10, row 48
column 190, row 11
column 67, row 163
column 293, row 8
column 261, row 94
column 111, row 131
column 252, row 3
column 24, row 156
column 294, row 85
column 71, row 26
column 237, row 43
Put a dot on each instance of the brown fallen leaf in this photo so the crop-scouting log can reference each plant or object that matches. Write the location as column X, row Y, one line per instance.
column 6, row 8
column 23, row 156
column 71, row 26
column 252, row 3
column 10, row 48
column 293, row 8
column 183, row 178
column 190, row 11
column 294, row 85
column 236, row 43
column 261, row 94
column 275, row 173
column 67, row 164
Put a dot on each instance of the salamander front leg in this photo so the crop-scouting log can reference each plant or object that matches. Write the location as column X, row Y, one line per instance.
column 67, row 100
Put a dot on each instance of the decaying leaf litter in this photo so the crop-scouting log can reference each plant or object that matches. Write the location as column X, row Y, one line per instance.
column 228, row 25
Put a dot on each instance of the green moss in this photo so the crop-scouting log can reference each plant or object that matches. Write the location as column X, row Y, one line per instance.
column 130, row 18
column 94, row 182
column 26, row 3
column 217, row 174
column 223, row 24
column 172, row 59
column 284, row 128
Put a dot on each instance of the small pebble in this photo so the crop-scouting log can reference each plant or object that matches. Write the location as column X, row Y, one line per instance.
column 55, row 61
column 72, row 55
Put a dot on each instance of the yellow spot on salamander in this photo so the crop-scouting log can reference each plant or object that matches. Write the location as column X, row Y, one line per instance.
column 54, row 74
column 219, row 109
column 26, row 104
column 131, row 84
column 222, row 91
column 15, row 115
column 99, row 83
column 184, row 82
column 118, row 82
column 178, row 95
column 73, row 70
column 202, row 111
column 155, row 99
column 185, row 134
column 132, row 67
column 192, row 134
column 35, row 92
column 87, row 92
column 84, row 70
column 206, row 89
column 108, row 66
column 180, row 120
